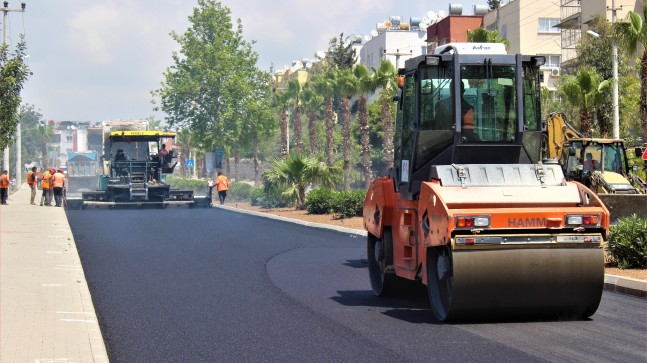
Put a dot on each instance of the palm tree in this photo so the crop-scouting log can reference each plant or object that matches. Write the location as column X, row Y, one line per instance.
column 366, row 84
column 325, row 86
column 312, row 103
column 632, row 37
column 294, row 93
column 581, row 90
column 296, row 172
column 385, row 78
column 346, row 87
column 281, row 100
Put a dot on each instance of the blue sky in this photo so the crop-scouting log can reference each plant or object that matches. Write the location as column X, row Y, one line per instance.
column 97, row 60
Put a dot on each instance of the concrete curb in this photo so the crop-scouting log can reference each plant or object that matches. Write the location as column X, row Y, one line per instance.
column 625, row 285
column 612, row 283
column 295, row 221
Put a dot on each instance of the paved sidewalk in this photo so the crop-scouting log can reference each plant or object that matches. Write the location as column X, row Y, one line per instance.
column 46, row 312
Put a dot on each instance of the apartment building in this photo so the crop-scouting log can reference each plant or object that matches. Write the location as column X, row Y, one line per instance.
column 575, row 15
column 529, row 26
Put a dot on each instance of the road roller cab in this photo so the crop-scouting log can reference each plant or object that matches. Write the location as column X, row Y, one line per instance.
column 470, row 209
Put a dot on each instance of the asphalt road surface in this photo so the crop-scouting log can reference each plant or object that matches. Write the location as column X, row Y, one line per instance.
column 210, row 285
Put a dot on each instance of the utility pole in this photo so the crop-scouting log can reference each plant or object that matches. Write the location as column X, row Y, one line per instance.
column 616, row 108
column 5, row 159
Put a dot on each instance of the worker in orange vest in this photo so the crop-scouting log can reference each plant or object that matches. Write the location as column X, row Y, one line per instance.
column 4, row 187
column 58, row 180
column 47, row 192
column 223, row 184
column 31, row 181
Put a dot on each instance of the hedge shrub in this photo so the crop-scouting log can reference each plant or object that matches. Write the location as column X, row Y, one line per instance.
column 182, row 183
column 272, row 199
column 320, row 201
column 348, row 204
column 237, row 192
column 628, row 242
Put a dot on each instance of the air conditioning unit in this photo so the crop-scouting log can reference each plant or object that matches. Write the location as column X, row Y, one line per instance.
column 554, row 72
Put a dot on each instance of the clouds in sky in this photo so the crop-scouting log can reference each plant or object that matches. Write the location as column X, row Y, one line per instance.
column 95, row 60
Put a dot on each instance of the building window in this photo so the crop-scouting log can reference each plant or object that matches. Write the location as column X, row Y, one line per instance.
column 547, row 25
column 69, row 138
column 553, row 61
column 504, row 31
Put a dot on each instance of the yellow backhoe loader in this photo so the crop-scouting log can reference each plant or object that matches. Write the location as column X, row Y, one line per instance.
column 600, row 164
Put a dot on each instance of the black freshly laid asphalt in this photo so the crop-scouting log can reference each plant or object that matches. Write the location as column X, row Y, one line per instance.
column 211, row 285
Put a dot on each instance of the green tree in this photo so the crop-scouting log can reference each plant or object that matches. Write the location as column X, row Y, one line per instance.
column 213, row 79
column 296, row 172
column 482, row 35
column 632, row 37
column 13, row 74
column 493, row 4
column 294, row 92
column 588, row 54
column 385, row 78
column 281, row 102
column 581, row 91
column 153, row 123
column 324, row 84
column 341, row 55
column 366, row 84
column 313, row 104
column 261, row 125
column 35, row 136
column 346, row 87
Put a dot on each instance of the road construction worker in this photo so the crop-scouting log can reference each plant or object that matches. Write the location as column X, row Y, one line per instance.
column 223, row 184
column 58, row 180
column 4, row 187
column 46, row 196
column 31, row 181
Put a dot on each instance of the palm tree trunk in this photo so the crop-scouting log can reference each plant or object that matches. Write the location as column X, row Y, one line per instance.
column 585, row 122
column 237, row 163
column 284, row 133
column 302, row 199
column 346, row 131
column 365, row 141
column 312, row 131
column 329, row 132
column 387, row 127
column 603, row 123
column 298, row 143
column 256, row 160
column 643, row 96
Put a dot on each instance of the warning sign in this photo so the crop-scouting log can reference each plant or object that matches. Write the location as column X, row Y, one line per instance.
column 645, row 154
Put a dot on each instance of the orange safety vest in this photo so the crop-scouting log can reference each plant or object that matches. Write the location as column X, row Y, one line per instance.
column 4, row 181
column 468, row 120
column 31, row 178
column 222, row 183
column 45, row 182
column 58, row 180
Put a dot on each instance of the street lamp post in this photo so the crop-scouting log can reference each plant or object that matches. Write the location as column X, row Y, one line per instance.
column 616, row 108
column 5, row 158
